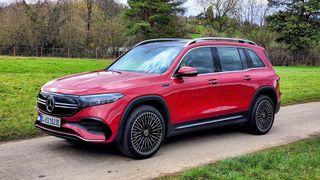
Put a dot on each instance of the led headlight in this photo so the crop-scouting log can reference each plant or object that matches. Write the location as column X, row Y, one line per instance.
column 93, row 100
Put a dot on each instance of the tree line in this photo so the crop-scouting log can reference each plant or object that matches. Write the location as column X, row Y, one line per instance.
column 289, row 29
column 78, row 27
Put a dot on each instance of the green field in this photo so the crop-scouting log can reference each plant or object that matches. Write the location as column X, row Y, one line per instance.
column 299, row 84
column 21, row 79
column 295, row 161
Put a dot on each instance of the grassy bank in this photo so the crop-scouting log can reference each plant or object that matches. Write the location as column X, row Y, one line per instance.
column 295, row 161
column 21, row 79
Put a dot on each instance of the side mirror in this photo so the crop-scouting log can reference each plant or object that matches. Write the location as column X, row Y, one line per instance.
column 187, row 71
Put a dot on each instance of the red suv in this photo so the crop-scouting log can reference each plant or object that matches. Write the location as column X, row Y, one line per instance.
column 161, row 88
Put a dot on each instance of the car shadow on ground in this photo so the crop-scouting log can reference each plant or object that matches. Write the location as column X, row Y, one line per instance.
column 80, row 148
column 198, row 135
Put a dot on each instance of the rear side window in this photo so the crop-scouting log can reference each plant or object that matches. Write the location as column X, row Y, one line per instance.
column 200, row 58
column 256, row 60
column 229, row 58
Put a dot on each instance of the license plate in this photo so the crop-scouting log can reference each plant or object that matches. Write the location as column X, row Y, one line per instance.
column 49, row 120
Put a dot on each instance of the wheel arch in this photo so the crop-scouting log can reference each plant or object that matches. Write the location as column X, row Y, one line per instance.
column 152, row 100
column 267, row 91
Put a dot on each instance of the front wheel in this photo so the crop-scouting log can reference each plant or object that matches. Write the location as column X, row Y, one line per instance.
column 262, row 116
column 143, row 133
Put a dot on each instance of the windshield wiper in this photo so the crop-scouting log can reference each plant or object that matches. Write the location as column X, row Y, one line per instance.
column 113, row 71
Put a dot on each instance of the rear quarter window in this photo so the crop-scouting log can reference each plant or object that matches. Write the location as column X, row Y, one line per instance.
column 256, row 60
column 267, row 55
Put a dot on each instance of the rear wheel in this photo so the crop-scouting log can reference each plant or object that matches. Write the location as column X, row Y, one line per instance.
column 262, row 116
column 143, row 133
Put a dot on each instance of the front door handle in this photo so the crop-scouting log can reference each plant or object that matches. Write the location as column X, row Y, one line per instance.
column 247, row 78
column 213, row 81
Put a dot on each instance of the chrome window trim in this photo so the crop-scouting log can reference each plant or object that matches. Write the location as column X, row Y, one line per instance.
column 222, row 72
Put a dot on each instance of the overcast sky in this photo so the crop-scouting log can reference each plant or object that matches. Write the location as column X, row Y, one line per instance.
column 192, row 8
column 191, row 5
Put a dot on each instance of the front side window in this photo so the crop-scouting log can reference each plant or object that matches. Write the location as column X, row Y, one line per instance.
column 148, row 59
column 256, row 60
column 229, row 58
column 200, row 58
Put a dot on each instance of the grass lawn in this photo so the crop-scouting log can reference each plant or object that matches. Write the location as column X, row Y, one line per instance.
column 20, row 82
column 21, row 79
column 299, row 84
column 295, row 161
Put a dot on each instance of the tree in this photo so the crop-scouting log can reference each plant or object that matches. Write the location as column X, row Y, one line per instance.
column 56, row 19
column 298, row 23
column 37, row 13
column 46, row 19
column 251, row 12
column 88, row 19
column 110, row 8
column 219, row 11
column 15, row 27
column 108, row 27
column 153, row 18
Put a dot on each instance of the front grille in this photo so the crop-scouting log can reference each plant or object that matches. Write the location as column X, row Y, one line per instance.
column 64, row 105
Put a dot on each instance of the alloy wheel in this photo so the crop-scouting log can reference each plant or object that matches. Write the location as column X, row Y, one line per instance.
column 147, row 133
column 264, row 116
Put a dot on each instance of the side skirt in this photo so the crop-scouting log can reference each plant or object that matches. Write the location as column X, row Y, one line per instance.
column 203, row 124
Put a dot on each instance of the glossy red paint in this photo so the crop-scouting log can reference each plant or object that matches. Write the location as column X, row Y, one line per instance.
column 188, row 98
column 188, row 71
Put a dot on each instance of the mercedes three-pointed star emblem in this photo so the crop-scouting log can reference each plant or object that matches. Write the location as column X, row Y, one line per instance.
column 50, row 104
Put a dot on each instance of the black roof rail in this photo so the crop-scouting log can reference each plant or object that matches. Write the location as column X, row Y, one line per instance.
column 158, row 40
column 220, row 39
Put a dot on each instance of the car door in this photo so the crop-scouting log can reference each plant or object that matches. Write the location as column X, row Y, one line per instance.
column 195, row 98
column 236, row 85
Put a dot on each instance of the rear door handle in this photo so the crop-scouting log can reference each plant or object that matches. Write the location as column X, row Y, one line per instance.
column 247, row 78
column 213, row 81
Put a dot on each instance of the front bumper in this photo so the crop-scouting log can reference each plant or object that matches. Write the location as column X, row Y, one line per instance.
column 89, row 130
column 98, row 124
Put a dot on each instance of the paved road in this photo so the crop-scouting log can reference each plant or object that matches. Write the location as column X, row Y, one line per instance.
column 53, row 158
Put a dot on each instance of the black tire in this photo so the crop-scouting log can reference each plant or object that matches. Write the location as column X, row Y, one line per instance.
column 143, row 133
column 261, row 117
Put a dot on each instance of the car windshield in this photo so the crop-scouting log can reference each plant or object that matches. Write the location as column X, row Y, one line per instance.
column 152, row 58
